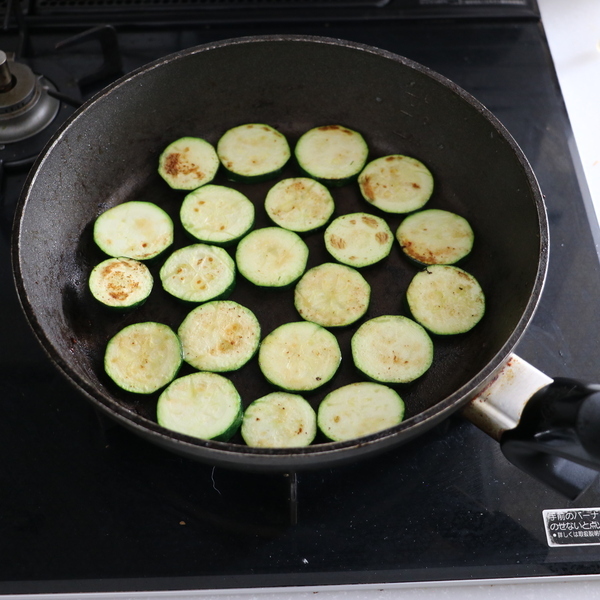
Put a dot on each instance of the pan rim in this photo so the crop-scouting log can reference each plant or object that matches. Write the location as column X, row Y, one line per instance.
column 325, row 452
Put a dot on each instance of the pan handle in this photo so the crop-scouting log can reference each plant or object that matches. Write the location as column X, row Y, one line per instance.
column 550, row 429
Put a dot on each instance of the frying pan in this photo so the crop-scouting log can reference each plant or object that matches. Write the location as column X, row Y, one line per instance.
column 107, row 153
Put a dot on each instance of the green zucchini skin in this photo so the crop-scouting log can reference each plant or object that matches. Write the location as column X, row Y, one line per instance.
column 188, row 163
column 392, row 349
column 332, row 295
column 143, row 357
column 333, row 155
column 446, row 300
column 300, row 204
column 435, row 237
column 359, row 409
column 272, row 257
column 219, row 336
column 120, row 283
column 216, row 214
column 396, row 184
column 135, row 229
column 198, row 273
column 253, row 152
column 279, row 420
column 359, row 239
column 299, row 356
column 201, row 405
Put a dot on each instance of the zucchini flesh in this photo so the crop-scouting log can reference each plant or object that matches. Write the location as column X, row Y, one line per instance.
column 219, row 336
column 253, row 152
column 396, row 183
column 359, row 239
column 216, row 214
column 392, row 349
column 201, row 405
column 138, row 230
column 120, row 282
column 359, row 409
column 143, row 357
column 332, row 295
column 435, row 237
column 446, row 299
column 272, row 257
column 279, row 420
column 188, row 163
column 198, row 273
column 299, row 356
column 332, row 154
column 300, row 204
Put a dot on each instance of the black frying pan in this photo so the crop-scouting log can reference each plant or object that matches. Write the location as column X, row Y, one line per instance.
column 107, row 153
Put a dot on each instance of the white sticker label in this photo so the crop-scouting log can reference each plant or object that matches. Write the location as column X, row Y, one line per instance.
column 572, row 526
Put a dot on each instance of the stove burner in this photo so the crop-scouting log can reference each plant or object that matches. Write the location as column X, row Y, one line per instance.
column 26, row 108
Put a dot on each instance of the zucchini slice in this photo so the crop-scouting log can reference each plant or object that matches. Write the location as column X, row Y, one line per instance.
column 272, row 257
column 332, row 295
column 396, row 183
column 138, row 230
column 359, row 409
column 201, row 405
column 143, row 357
column 299, row 356
column 253, row 152
column 359, row 239
column 279, row 420
column 300, row 204
column 219, row 336
column 445, row 299
column 435, row 237
column 216, row 214
column 121, row 282
column 198, row 273
column 188, row 163
column 392, row 349
column 331, row 154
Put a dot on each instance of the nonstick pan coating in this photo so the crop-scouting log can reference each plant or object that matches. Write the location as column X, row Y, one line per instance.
column 107, row 154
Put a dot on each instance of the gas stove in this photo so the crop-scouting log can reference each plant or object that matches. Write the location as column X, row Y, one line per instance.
column 89, row 507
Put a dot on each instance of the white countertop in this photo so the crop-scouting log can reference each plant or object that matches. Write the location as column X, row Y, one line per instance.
column 573, row 30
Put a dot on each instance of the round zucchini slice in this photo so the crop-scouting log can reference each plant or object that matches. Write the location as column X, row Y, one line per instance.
column 279, row 420
column 216, row 214
column 219, row 336
column 300, row 204
column 331, row 154
column 188, row 163
column 138, row 230
column 143, row 357
column 272, row 257
column 299, row 356
column 392, row 349
column 253, row 152
column 359, row 409
column 198, row 273
column 332, row 295
column 121, row 282
column 201, row 405
column 396, row 183
column 445, row 299
column 435, row 237
column 359, row 239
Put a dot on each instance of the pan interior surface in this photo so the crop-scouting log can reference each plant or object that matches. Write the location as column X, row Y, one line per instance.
column 108, row 154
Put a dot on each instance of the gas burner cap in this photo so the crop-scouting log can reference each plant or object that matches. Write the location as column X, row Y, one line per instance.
column 26, row 108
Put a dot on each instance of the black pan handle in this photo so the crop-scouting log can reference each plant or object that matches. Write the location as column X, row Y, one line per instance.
column 550, row 429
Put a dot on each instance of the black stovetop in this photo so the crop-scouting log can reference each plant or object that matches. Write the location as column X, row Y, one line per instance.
column 87, row 506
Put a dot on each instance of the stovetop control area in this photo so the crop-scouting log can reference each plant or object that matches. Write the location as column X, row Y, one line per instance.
column 90, row 507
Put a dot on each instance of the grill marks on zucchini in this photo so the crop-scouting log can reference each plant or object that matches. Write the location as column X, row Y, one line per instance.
column 219, row 336
column 332, row 295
